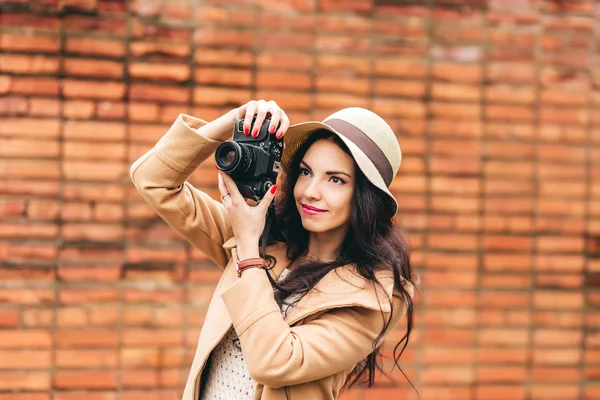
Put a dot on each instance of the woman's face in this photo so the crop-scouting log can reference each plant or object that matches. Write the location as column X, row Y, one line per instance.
column 324, row 189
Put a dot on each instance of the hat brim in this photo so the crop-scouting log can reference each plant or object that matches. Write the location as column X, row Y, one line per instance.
column 297, row 134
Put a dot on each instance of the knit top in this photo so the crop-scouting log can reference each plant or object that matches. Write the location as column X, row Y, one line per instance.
column 227, row 376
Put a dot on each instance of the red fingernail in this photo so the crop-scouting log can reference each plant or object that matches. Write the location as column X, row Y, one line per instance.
column 279, row 135
column 217, row 167
column 271, row 129
column 273, row 189
column 255, row 133
column 246, row 131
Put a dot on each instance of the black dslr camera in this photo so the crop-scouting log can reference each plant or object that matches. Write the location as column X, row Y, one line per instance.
column 252, row 163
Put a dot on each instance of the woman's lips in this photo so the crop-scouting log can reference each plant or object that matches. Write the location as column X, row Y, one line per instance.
column 311, row 210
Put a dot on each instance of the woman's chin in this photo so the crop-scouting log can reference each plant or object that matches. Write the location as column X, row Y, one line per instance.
column 310, row 226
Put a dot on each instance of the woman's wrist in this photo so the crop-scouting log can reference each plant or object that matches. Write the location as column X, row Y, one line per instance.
column 220, row 129
column 247, row 249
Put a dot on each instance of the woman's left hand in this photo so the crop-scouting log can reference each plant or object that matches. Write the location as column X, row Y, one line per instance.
column 247, row 221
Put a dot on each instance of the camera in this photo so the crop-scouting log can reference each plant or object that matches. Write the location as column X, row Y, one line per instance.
column 252, row 163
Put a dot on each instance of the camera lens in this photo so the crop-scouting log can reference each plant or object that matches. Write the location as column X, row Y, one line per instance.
column 233, row 158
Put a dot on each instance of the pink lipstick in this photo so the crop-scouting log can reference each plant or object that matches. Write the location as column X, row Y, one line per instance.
column 311, row 210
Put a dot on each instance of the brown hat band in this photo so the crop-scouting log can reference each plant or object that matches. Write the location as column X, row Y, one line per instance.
column 366, row 144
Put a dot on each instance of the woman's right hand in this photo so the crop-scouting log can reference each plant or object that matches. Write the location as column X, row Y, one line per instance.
column 263, row 109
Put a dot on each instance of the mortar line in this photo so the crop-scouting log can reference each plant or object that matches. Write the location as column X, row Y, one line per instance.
column 121, row 283
column 60, row 202
column 481, row 230
column 534, row 215
column 589, row 164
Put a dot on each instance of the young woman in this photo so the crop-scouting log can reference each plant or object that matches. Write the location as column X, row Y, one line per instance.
column 307, row 317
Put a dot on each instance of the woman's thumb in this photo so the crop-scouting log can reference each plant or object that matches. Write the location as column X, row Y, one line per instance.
column 268, row 197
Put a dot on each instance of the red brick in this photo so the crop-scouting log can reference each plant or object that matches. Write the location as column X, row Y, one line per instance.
column 31, row 85
column 71, row 317
column 237, row 58
column 85, row 273
column 93, row 151
column 110, row 110
column 157, row 296
column 86, row 338
column 45, row 107
column 150, row 50
column 92, row 232
column 12, row 105
column 91, row 379
column 28, row 148
column 221, row 96
column 95, row 46
column 78, row 109
column 148, row 30
column 88, row 295
column 159, row 72
column 29, row 42
column 16, row 168
column 143, row 111
column 17, row 339
column 143, row 91
column 31, row 252
column 95, row 395
column 32, row 20
column 8, row 319
column 25, row 64
column 30, row 381
column 105, row 317
column 42, row 128
column 84, row 359
column 25, row 359
column 79, row 23
column 93, row 68
column 97, row 131
column 223, row 76
column 93, row 191
column 93, row 89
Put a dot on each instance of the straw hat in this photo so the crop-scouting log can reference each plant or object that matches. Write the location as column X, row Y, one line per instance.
column 370, row 139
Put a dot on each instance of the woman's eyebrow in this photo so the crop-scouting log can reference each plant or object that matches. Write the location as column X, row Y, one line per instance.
column 328, row 172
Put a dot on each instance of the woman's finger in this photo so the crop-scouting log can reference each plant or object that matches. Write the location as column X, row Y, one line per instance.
column 267, row 199
column 231, row 188
column 225, row 195
column 283, row 127
column 221, row 184
column 250, row 111
column 276, row 112
column 261, row 113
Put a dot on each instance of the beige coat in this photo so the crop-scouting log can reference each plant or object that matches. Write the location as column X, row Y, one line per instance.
column 307, row 355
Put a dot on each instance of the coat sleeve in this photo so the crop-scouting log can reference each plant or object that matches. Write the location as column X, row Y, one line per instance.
column 161, row 176
column 278, row 355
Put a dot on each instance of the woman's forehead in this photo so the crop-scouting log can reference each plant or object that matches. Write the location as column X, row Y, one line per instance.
column 326, row 153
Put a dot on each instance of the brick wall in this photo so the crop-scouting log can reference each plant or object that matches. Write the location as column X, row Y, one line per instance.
column 494, row 104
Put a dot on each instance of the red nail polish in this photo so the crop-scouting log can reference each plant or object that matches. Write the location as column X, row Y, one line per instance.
column 278, row 136
column 273, row 189
column 217, row 167
column 246, row 131
column 271, row 130
column 255, row 133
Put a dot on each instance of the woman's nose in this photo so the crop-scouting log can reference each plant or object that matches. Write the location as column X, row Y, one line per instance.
column 312, row 190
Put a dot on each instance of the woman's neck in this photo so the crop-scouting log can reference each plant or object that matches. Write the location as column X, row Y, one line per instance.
column 323, row 246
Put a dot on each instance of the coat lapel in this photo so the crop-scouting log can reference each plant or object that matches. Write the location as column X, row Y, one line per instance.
column 343, row 287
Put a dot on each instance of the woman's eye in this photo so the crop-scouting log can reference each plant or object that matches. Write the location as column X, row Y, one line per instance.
column 335, row 179
column 303, row 170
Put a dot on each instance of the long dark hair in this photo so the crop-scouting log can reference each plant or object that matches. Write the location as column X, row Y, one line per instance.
column 372, row 243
